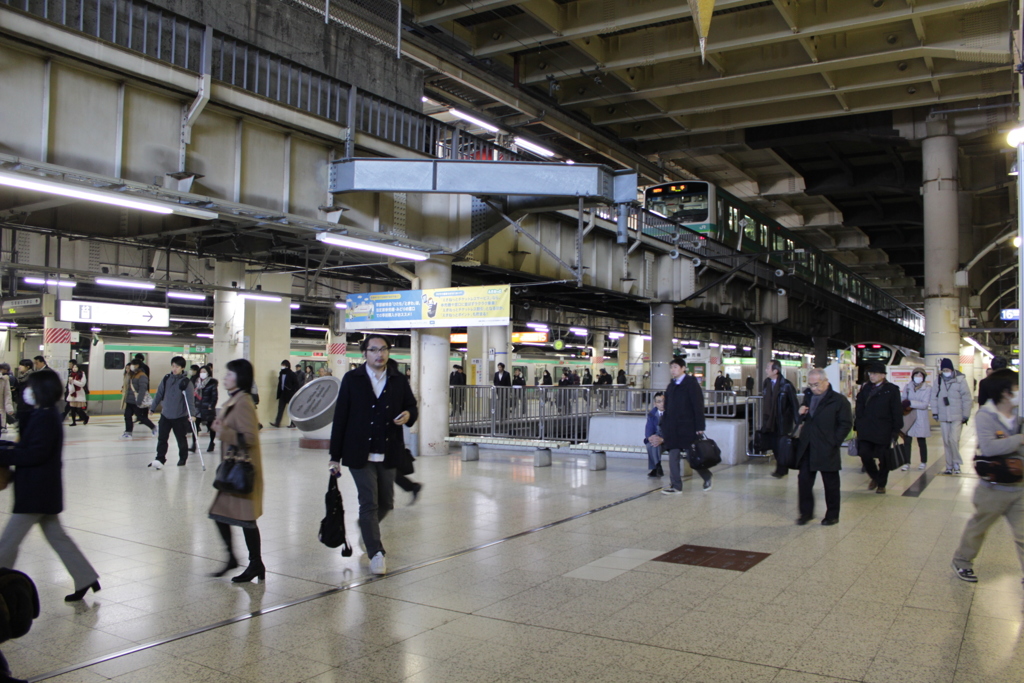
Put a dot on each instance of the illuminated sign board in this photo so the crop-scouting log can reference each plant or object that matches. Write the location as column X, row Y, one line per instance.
column 517, row 337
column 112, row 314
column 1009, row 314
column 418, row 308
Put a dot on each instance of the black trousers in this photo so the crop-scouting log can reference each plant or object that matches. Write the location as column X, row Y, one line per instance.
column 405, row 483
column 282, row 403
column 805, row 486
column 181, row 430
column 922, row 443
column 869, row 452
column 209, row 428
column 131, row 410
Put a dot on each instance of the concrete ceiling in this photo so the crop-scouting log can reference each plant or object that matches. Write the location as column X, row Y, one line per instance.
column 810, row 109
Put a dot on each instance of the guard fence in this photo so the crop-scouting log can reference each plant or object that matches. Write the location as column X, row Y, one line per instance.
column 563, row 413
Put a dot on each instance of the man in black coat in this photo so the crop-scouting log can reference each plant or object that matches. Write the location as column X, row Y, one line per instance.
column 998, row 363
column 879, row 420
column 374, row 402
column 287, row 385
column 826, row 418
column 457, row 378
column 780, row 404
column 681, row 423
column 502, row 378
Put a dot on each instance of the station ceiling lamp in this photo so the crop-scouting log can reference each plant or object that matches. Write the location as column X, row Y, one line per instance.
column 534, row 147
column 193, row 296
column 474, row 120
column 128, row 284
column 259, row 297
column 47, row 186
column 48, row 281
column 374, row 247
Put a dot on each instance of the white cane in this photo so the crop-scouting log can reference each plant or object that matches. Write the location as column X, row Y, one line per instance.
column 195, row 430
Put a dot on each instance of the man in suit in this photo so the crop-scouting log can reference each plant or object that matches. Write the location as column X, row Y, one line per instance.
column 681, row 423
column 502, row 378
column 287, row 385
column 374, row 402
column 457, row 378
column 878, row 425
column 826, row 419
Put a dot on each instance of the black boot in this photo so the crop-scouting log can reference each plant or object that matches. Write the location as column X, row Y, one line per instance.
column 255, row 570
column 232, row 564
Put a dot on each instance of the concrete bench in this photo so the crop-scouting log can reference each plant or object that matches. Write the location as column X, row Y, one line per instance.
column 599, row 454
column 628, row 430
column 541, row 454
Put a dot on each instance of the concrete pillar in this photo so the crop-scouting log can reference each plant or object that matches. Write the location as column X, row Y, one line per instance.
column 56, row 335
column 941, row 253
column 979, row 369
column 597, row 357
column 499, row 338
column 635, row 365
column 967, row 354
column 820, row 351
column 763, row 352
column 476, row 355
column 229, row 322
column 337, row 345
column 433, row 371
column 663, row 323
column 268, row 339
column 623, row 353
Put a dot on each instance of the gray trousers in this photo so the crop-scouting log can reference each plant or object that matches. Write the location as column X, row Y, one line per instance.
column 675, row 470
column 951, row 443
column 74, row 561
column 989, row 506
column 376, row 487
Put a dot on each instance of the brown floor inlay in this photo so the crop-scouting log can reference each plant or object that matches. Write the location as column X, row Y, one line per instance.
column 717, row 558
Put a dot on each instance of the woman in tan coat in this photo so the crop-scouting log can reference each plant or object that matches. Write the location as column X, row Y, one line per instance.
column 237, row 425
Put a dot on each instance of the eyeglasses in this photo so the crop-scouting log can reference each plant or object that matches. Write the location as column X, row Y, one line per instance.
column 377, row 349
column 815, row 385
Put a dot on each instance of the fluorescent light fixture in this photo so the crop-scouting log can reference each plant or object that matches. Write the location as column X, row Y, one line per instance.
column 746, row 348
column 294, row 307
column 4, row 323
column 160, row 333
column 130, row 284
column 616, row 335
column 205, row 335
column 1015, row 137
column 315, row 329
column 975, row 344
column 203, row 321
column 728, row 346
column 538, row 326
column 579, row 331
column 341, row 304
column 570, row 162
column 645, row 337
column 50, row 281
column 36, row 184
column 713, row 345
column 474, row 120
column 376, row 248
column 258, row 297
column 194, row 296
column 95, row 329
column 534, row 147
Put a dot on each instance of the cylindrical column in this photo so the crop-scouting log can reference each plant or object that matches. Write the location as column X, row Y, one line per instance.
column 57, row 339
column 820, row 351
column 635, row 366
column 229, row 322
column 941, row 253
column 337, row 346
column 597, row 357
column 622, row 359
column 764, row 352
column 663, row 322
column 434, row 350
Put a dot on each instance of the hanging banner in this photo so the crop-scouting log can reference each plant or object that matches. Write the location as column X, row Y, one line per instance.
column 419, row 308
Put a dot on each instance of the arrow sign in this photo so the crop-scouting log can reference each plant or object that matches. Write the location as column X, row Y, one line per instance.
column 99, row 313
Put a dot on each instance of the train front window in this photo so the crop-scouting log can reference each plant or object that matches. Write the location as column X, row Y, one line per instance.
column 685, row 203
column 873, row 352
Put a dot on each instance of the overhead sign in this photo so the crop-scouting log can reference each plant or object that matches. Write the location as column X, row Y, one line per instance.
column 1005, row 314
column 12, row 308
column 418, row 308
column 112, row 314
column 517, row 337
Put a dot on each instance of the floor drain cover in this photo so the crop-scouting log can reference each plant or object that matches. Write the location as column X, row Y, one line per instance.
column 717, row 558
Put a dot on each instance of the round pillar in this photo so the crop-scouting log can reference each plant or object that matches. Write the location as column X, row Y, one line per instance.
column 435, row 348
column 941, row 249
column 597, row 355
column 663, row 323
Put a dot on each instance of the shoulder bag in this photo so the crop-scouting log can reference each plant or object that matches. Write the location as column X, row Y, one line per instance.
column 332, row 526
column 705, row 454
column 236, row 474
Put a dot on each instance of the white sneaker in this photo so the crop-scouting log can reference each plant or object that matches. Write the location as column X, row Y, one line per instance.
column 956, row 469
column 905, row 468
column 671, row 491
column 156, row 432
column 377, row 564
column 156, row 465
column 125, row 437
column 922, row 466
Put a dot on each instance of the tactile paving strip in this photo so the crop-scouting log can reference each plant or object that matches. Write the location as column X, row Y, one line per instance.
column 716, row 558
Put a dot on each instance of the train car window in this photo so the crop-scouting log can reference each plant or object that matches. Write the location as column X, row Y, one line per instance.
column 766, row 236
column 113, row 360
column 870, row 352
column 750, row 230
column 686, row 202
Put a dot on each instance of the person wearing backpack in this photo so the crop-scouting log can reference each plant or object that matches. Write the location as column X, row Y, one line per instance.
column 1000, row 493
column 177, row 407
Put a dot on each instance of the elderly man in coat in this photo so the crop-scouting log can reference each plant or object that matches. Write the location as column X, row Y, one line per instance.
column 826, row 418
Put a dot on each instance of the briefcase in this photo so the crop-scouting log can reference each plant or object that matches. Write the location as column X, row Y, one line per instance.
column 705, row 454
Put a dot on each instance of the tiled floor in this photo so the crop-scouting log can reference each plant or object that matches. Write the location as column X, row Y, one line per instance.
column 871, row 599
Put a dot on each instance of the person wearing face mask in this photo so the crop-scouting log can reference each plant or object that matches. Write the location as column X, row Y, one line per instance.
column 917, row 395
column 287, row 385
column 38, row 486
column 951, row 406
column 1000, row 491
column 206, row 403
column 878, row 423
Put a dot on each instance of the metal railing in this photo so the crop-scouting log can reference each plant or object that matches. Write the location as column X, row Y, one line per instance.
column 171, row 38
column 563, row 413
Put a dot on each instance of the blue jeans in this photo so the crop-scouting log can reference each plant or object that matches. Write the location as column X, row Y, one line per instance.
column 653, row 456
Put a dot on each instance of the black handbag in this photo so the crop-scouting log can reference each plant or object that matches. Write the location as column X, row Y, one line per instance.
column 235, row 474
column 892, row 459
column 332, row 526
column 786, row 452
column 705, row 454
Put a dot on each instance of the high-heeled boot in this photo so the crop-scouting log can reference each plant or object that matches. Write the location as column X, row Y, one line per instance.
column 79, row 594
column 232, row 564
column 255, row 570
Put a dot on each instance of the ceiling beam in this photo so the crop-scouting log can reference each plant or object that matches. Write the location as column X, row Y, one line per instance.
column 428, row 12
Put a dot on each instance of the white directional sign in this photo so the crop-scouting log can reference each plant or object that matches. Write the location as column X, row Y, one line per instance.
column 113, row 314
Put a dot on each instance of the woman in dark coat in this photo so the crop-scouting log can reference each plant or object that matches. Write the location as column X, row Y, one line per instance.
column 38, row 489
column 206, row 403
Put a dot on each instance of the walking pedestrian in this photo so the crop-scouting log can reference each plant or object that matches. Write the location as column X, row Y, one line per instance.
column 457, row 397
column 286, row 388
column 780, row 407
column 998, row 363
column 951, row 407
column 878, row 424
column 206, row 397
column 917, row 395
column 1000, row 491
column 681, row 423
column 77, row 399
column 621, row 378
column 38, row 488
column 652, row 435
column 177, row 407
column 374, row 402
column 136, row 400
column 826, row 418
column 239, row 432
column 21, row 409
column 6, row 398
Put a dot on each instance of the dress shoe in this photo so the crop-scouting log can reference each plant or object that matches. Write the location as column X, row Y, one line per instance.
column 415, row 493
column 275, row 424
column 872, row 485
column 803, row 519
column 653, row 473
column 779, row 475
column 232, row 564
column 79, row 594
column 880, row 489
column 255, row 570
column 182, row 461
column 829, row 521
column 661, row 472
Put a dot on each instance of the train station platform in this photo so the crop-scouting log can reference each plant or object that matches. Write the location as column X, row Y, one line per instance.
column 505, row 572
